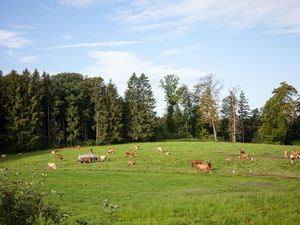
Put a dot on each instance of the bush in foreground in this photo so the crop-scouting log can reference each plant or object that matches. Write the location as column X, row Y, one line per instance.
column 23, row 202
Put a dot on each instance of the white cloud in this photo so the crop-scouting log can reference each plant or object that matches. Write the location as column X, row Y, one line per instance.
column 120, row 65
column 29, row 59
column 175, row 51
column 172, row 52
column 21, row 26
column 77, row 3
column 93, row 44
column 180, row 16
column 10, row 39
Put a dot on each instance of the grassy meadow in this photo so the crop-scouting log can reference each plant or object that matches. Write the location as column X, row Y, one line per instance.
column 166, row 190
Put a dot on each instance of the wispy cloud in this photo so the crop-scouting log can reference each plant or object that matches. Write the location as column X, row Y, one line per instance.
column 175, row 51
column 29, row 59
column 94, row 44
column 13, row 40
column 77, row 3
column 21, row 26
column 119, row 65
column 180, row 16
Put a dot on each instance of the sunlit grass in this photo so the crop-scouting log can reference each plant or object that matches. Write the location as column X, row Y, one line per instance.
column 163, row 189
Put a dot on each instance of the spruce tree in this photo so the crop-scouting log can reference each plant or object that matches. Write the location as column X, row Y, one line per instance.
column 141, row 103
column 114, row 106
column 100, row 113
column 243, row 115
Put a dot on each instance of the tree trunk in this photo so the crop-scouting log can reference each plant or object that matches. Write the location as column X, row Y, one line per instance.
column 97, row 128
column 48, row 122
column 234, row 126
column 243, row 135
column 215, row 131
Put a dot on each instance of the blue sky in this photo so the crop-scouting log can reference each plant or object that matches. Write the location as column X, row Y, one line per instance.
column 251, row 44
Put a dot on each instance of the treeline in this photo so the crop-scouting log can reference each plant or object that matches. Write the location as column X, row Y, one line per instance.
column 39, row 110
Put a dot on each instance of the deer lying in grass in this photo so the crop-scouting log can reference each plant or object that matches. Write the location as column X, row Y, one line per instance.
column 102, row 158
column 158, row 149
column 130, row 154
column 110, row 151
column 131, row 162
column 195, row 162
column 137, row 147
column 204, row 167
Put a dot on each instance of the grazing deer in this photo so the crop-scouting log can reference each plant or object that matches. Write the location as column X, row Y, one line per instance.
column 110, row 151
column 52, row 166
column 60, row 156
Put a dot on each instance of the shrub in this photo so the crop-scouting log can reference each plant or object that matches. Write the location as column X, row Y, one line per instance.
column 109, row 214
column 22, row 202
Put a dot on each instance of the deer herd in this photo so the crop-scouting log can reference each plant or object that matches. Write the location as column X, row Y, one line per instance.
column 199, row 165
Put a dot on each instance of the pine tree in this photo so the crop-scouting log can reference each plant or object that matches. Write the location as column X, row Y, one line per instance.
column 255, row 121
column 3, row 113
column 35, row 114
column 243, row 114
column 114, row 106
column 100, row 113
column 140, row 103
column 225, row 115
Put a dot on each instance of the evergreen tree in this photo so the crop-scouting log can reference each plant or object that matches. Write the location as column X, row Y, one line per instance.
column 13, row 105
column 22, row 94
column 3, row 113
column 140, row 103
column 68, row 99
column 100, row 113
column 255, row 121
column 279, row 114
column 35, row 111
column 225, row 115
column 114, row 106
column 87, row 109
column 243, row 114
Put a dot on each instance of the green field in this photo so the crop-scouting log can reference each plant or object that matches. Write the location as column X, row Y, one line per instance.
column 162, row 189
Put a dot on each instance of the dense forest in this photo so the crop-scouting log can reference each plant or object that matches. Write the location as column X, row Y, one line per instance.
column 42, row 111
